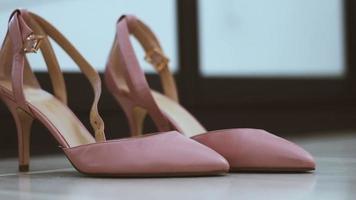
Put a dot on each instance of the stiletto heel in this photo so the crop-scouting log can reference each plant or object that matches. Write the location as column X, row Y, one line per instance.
column 245, row 149
column 136, row 117
column 23, row 121
column 92, row 154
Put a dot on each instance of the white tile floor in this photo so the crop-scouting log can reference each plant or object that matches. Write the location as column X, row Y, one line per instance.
column 54, row 178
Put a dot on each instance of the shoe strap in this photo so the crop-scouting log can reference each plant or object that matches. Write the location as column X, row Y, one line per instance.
column 54, row 70
column 56, row 76
column 154, row 54
column 6, row 63
column 124, row 63
column 24, row 40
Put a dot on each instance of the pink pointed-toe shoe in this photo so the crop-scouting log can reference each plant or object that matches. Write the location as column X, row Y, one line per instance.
column 245, row 149
column 164, row 154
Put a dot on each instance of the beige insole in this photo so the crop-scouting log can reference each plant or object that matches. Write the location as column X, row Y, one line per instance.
column 58, row 114
column 186, row 123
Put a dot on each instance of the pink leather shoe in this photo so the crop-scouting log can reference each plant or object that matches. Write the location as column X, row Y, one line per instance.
column 165, row 154
column 245, row 149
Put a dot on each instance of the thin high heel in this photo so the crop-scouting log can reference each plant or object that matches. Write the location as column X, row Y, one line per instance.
column 135, row 115
column 136, row 119
column 24, row 123
column 154, row 155
column 245, row 149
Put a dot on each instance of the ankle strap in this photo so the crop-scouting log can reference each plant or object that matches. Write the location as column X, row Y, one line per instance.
column 154, row 53
column 131, row 79
column 54, row 71
column 24, row 40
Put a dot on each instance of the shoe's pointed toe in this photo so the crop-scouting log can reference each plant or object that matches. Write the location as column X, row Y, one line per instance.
column 165, row 154
column 257, row 150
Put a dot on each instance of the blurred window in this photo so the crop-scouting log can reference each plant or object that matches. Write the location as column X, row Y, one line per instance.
column 271, row 38
column 90, row 26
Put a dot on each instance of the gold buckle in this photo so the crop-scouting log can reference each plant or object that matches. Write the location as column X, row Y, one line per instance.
column 157, row 59
column 32, row 43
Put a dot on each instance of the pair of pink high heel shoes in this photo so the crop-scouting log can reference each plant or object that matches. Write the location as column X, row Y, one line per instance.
column 182, row 147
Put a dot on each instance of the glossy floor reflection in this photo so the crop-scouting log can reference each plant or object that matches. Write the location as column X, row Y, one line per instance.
column 54, row 178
